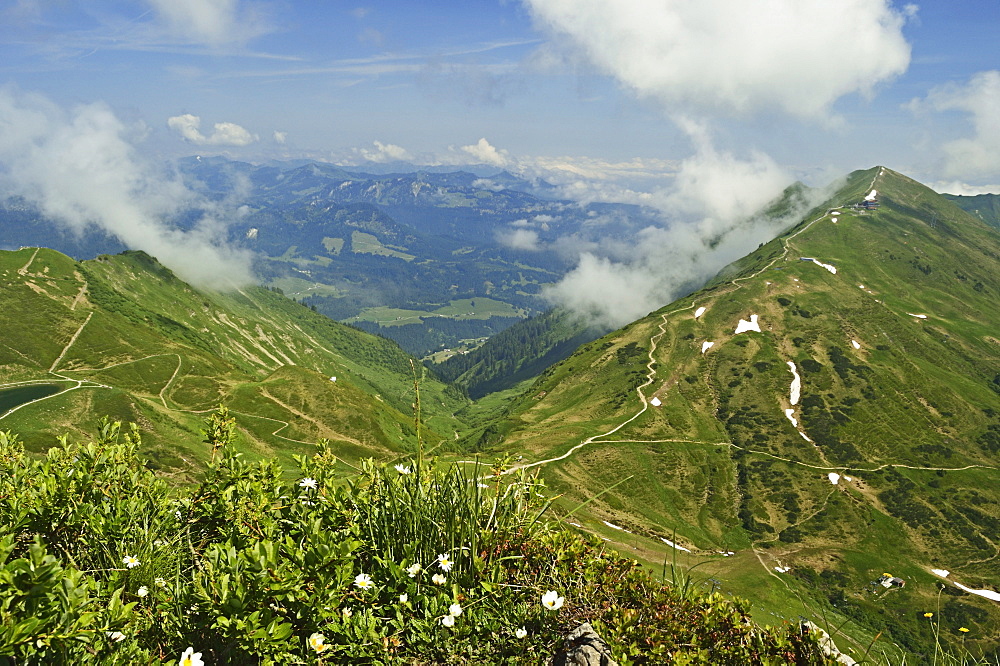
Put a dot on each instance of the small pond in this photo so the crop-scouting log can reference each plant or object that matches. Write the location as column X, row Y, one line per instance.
column 14, row 397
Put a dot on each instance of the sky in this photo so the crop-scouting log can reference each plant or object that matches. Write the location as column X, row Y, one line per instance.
column 704, row 108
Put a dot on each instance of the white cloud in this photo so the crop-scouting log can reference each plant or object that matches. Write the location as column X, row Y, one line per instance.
column 709, row 219
column 385, row 152
column 80, row 168
column 212, row 22
column 520, row 239
column 978, row 156
column 731, row 55
column 224, row 134
column 280, row 137
column 482, row 152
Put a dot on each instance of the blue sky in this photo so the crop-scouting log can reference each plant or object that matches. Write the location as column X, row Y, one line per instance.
column 329, row 79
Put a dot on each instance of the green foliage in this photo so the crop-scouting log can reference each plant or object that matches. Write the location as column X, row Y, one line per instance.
column 100, row 561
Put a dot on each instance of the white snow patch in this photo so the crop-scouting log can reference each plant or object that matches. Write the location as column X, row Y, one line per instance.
column 705, row 346
column 790, row 413
column 796, row 388
column 940, row 572
column 699, row 312
column 861, row 286
column 615, row 527
column 252, row 233
column 872, row 196
column 333, row 379
column 834, row 478
column 918, row 316
column 655, row 402
column 834, row 220
column 989, row 594
column 782, row 569
column 805, row 436
column 847, row 478
column 829, row 267
column 674, row 545
column 745, row 325
column 855, row 344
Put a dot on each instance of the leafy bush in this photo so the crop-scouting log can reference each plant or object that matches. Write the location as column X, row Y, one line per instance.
column 103, row 562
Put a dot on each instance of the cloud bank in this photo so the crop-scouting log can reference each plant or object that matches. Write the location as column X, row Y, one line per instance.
column 80, row 168
column 798, row 56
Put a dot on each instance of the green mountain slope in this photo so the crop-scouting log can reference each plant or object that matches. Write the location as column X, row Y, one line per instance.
column 888, row 319
column 984, row 206
column 516, row 354
column 122, row 336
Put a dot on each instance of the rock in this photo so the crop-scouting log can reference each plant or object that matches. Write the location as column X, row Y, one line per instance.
column 825, row 642
column 583, row 648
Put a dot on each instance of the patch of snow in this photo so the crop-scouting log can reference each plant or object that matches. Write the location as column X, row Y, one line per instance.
column 834, row 478
column 918, row 316
column 834, row 220
column 940, row 572
column 674, row 545
column 615, row 527
column 252, row 233
column 699, row 312
column 829, row 267
column 805, row 436
column 872, row 196
column 745, row 325
column 655, row 402
column 790, row 413
column 796, row 388
column 861, row 286
column 847, row 478
column 705, row 346
column 333, row 379
column 855, row 344
column 989, row 594
column 782, row 569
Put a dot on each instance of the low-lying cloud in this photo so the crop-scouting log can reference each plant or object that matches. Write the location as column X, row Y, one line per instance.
column 223, row 134
column 80, row 168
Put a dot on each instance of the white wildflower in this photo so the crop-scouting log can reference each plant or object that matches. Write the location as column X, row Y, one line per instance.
column 414, row 569
column 142, row 591
column 552, row 600
column 455, row 610
column 448, row 621
column 318, row 642
column 130, row 561
column 438, row 579
column 308, row 482
column 403, row 469
column 520, row 633
column 191, row 658
column 444, row 561
column 363, row 581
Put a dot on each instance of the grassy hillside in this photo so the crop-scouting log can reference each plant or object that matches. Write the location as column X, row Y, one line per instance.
column 122, row 336
column 889, row 317
column 984, row 206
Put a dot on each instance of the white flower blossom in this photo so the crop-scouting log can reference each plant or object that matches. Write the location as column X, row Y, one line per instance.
column 403, row 598
column 159, row 582
column 438, row 579
column 347, row 613
column 448, row 621
column 191, row 658
column 363, row 581
column 142, row 591
column 130, row 561
column 318, row 642
column 444, row 561
column 414, row 569
column 552, row 600
column 115, row 636
column 308, row 482
column 521, row 632
column 455, row 610
column 403, row 469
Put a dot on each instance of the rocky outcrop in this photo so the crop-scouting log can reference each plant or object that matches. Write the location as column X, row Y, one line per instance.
column 583, row 647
